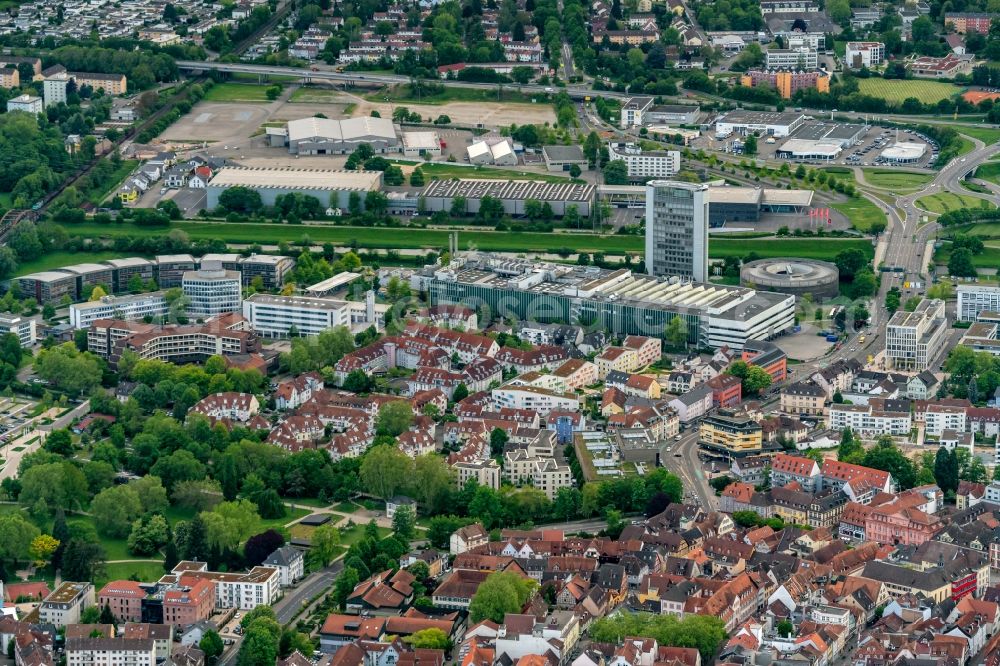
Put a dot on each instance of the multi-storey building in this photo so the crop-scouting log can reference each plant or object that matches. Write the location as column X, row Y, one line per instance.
column 22, row 327
column 787, row 469
column 913, row 339
column 677, row 230
column 976, row 298
column 970, row 21
column 191, row 600
column 787, row 82
column 878, row 417
column 864, row 54
column 731, row 434
column 54, row 89
column 645, row 163
column 212, row 291
column 151, row 307
column 804, row 398
column 65, row 604
column 243, row 591
column 271, row 269
column 801, row 58
column 620, row 301
column 111, row 84
column 125, row 271
column 289, row 562
column 279, row 316
column 222, row 336
column 170, row 269
column 110, row 651
column 485, row 472
column 124, row 599
column 536, row 464
column 536, row 399
column 26, row 103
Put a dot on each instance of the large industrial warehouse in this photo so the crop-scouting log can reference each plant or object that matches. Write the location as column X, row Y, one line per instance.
column 332, row 187
column 513, row 194
column 620, row 301
column 327, row 136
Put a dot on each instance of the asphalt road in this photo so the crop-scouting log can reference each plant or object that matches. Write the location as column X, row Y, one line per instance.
column 681, row 458
column 296, row 598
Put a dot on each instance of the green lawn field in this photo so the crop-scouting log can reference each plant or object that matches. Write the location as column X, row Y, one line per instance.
column 53, row 260
column 861, row 212
column 896, row 180
column 987, row 135
column 892, row 90
column 942, row 202
column 237, row 92
column 146, row 571
column 381, row 238
column 981, row 229
column 989, row 171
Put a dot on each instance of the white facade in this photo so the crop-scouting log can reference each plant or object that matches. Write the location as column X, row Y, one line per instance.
column 536, row 399
column 802, row 58
column 939, row 418
column 864, row 54
column 677, row 229
column 26, row 103
column 655, row 164
column 64, row 605
column 772, row 313
column 290, row 564
column 864, row 420
column 212, row 291
column 261, row 585
column 128, row 308
column 273, row 316
column 976, row 298
column 106, row 651
column 23, row 328
column 54, row 89
column 912, row 339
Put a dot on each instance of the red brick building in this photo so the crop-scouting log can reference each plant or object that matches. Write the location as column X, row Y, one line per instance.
column 192, row 602
column 124, row 598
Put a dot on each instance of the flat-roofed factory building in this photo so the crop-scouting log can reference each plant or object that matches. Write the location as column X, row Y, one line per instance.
column 513, row 194
column 331, row 187
column 619, row 301
column 327, row 136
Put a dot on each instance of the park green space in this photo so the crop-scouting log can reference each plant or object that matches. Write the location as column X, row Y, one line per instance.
column 381, row 238
column 861, row 212
column 942, row 202
column 351, row 535
column 987, row 135
column 446, row 171
column 236, row 92
column 53, row 260
column 896, row 180
column 980, row 229
column 989, row 171
column 896, row 90
column 404, row 93
column 145, row 571
column 988, row 258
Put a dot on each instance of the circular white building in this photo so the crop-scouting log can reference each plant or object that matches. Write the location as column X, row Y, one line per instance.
column 792, row 276
column 905, row 152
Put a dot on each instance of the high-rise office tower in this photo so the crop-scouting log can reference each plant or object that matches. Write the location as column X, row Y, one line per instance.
column 677, row 229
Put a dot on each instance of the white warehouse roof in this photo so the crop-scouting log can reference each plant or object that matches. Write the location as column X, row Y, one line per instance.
column 344, row 130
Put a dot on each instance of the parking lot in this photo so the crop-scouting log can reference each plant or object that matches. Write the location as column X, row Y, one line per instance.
column 866, row 152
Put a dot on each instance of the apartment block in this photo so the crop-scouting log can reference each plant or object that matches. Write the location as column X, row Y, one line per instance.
column 191, row 600
column 23, row 327
column 734, row 435
column 65, row 604
column 110, row 651
column 646, row 163
column 879, row 417
column 243, row 591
